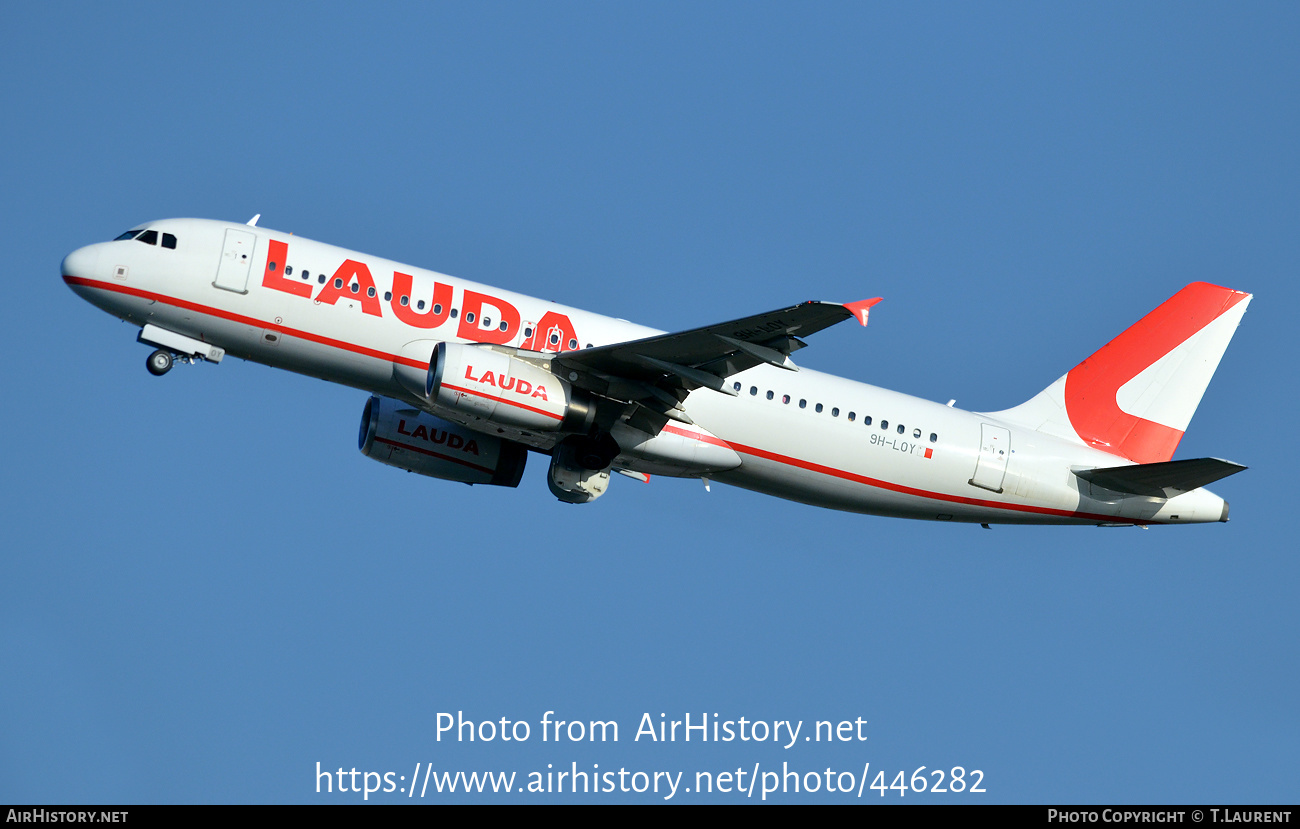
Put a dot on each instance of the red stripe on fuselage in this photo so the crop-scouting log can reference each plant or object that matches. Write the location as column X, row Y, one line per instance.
column 748, row 450
column 710, row 439
column 921, row 493
column 246, row 320
column 886, row 485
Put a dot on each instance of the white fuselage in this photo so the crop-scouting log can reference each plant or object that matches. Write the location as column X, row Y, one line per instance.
column 276, row 299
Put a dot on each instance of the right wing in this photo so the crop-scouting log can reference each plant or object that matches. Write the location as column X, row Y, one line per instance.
column 659, row 372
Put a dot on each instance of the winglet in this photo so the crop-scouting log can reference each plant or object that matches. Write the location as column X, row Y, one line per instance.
column 253, row 221
column 860, row 308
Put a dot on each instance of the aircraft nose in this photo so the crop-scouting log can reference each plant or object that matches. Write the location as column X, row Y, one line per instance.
column 80, row 263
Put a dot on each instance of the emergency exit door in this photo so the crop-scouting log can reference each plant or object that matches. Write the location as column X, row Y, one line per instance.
column 995, row 451
column 236, row 260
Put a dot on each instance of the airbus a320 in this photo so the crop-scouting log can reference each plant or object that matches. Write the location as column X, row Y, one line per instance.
column 466, row 381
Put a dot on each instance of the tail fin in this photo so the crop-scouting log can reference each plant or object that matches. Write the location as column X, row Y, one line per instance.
column 1136, row 395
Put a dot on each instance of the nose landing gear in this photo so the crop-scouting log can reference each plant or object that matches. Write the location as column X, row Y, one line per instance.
column 172, row 347
column 159, row 363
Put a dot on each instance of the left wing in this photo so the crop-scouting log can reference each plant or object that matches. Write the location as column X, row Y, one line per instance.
column 659, row 372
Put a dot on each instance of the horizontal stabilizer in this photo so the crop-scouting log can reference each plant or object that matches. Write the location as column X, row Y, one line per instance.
column 1161, row 480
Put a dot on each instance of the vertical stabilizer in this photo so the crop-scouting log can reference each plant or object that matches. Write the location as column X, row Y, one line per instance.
column 1136, row 395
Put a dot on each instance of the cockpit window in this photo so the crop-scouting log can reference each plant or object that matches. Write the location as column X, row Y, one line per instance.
column 169, row 241
column 149, row 237
column 130, row 234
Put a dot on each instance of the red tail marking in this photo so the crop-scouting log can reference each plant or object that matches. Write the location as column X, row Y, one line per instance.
column 1091, row 386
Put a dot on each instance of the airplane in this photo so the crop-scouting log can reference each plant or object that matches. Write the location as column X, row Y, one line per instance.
column 466, row 381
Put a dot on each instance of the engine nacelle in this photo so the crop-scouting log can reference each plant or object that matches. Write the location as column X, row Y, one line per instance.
column 395, row 434
column 572, row 482
column 496, row 387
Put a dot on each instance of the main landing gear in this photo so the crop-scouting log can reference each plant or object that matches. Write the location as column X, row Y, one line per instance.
column 594, row 452
column 579, row 470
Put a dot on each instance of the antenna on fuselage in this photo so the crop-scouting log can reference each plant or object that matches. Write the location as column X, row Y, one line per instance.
column 253, row 221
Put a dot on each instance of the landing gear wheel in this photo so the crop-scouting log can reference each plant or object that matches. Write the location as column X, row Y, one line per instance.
column 159, row 363
column 597, row 452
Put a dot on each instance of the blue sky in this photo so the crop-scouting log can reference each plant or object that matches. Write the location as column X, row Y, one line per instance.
column 207, row 590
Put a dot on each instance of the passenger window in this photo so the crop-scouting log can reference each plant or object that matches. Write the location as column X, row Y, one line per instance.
column 388, row 296
column 735, row 386
column 306, row 276
column 338, row 282
column 819, row 408
column 149, row 237
column 803, row 404
column 852, row 416
column 288, row 270
column 487, row 322
column 901, row 428
column 866, row 421
column 354, row 287
column 933, row 437
column 573, row 343
column 785, row 398
column 835, row 412
column 468, row 317
column 555, row 339
column 420, row 305
column 406, row 300
column 884, row 424
column 505, row 326
column 528, row 332
column 321, row 279
column 769, row 394
column 169, row 241
column 753, row 391
column 370, row 291
column 916, row 433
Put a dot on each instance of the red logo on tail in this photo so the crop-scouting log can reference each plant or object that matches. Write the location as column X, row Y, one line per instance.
column 1091, row 387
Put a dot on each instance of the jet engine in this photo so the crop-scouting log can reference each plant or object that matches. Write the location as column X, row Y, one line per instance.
column 395, row 434
column 480, row 382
